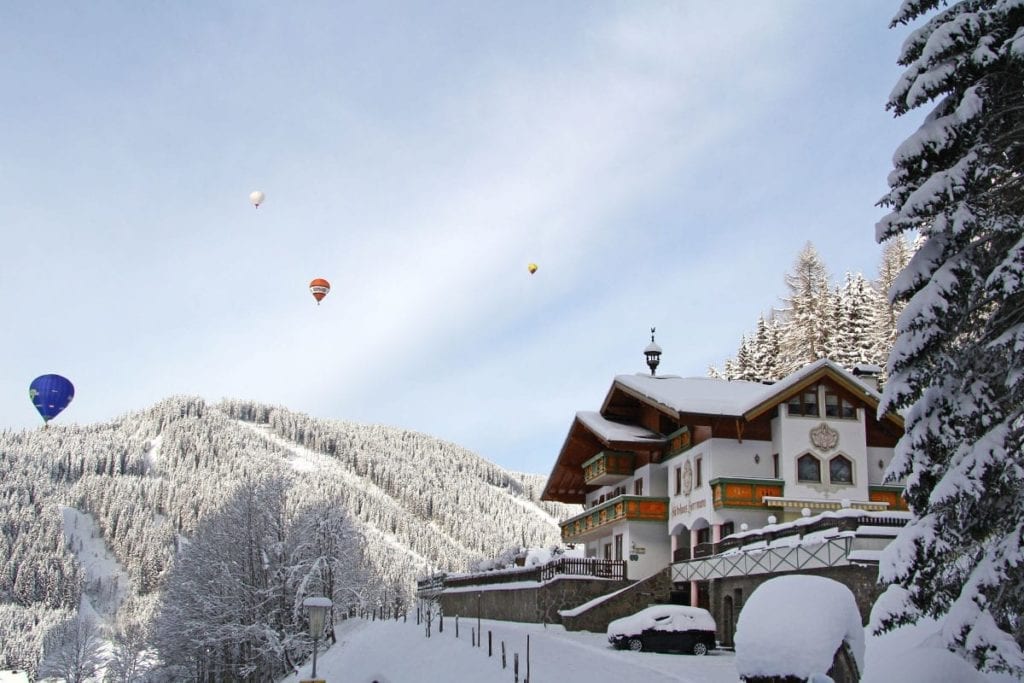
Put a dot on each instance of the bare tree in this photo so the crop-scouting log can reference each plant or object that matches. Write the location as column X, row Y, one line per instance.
column 130, row 658
column 72, row 651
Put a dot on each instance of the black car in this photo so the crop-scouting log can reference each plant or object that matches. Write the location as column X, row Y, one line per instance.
column 665, row 628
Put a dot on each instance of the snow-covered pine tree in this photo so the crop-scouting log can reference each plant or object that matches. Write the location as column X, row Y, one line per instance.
column 896, row 253
column 805, row 335
column 957, row 370
column 856, row 337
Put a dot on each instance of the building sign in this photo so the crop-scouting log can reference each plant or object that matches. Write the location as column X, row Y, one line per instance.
column 686, row 508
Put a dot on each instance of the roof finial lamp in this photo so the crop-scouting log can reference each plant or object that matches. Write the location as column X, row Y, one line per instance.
column 653, row 353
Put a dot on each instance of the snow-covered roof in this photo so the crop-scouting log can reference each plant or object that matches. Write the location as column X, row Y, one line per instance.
column 800, row 375
column 607, row 430
column 794, row 525
column 827, row 617
column 652, row 348
column 713, row 396
column 704, row 395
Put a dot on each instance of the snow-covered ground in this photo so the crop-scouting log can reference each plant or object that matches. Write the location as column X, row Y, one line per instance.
column 106, row 581
column 397, row 652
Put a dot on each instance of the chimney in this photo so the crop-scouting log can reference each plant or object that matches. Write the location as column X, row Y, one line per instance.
column 868, row 375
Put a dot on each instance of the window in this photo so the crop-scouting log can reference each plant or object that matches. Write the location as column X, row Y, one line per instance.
column 679, row 480
column 728, row 529
column 704, row 535
column 811, row 402
column 696, row 472
column 618, row 546
column 808, row 468
column 775, row 465
column 840, row 470
column 839, row 406
column 638, row 487
column 804, row 404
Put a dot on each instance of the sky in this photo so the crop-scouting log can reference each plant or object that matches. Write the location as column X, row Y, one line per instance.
column 661, row 162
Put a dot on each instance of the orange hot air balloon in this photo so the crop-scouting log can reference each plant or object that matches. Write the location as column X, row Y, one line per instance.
column 532, row 268
column 319, row 288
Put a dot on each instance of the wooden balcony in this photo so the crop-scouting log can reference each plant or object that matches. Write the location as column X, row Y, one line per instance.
column 893, row 495
column 734, row 492
column 608, row 467
column 628, row 508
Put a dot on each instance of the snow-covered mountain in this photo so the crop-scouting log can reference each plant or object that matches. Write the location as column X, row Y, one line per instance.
column 150, row 478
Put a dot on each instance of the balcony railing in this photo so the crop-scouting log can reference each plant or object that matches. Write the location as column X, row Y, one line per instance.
column 711, row 560
column 608, row 467
column 680, row 554
column 743, row 493
column 639, row 508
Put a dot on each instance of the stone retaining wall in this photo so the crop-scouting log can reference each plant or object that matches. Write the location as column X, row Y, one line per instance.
column 536, row 604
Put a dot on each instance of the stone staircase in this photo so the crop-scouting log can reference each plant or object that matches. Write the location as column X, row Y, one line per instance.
column 596, row 614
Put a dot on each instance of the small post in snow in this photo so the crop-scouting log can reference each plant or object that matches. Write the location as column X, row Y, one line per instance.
column 490, row 648
column 503, row 662
column 515, row 666
column 527, row 679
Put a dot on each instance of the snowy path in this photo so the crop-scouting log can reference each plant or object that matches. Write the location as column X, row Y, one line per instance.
column 106, row 580
column 397, row 652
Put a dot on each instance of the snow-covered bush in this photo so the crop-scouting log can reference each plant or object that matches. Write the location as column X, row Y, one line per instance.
column 824, row 616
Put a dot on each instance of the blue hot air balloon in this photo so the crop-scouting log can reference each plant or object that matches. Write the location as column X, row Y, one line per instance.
column 51, row 394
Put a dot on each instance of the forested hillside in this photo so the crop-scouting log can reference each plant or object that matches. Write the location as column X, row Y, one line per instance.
column 163, row 482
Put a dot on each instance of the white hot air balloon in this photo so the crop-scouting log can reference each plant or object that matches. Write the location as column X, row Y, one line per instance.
column 256, row 197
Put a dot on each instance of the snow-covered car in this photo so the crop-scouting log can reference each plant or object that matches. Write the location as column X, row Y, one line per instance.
column 665, row 628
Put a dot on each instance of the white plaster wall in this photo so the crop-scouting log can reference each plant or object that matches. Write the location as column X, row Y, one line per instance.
column 876, row 474
column 652, row 537
column 796, row 440
column 730, row 458
column 654, row 481
column 685, row 508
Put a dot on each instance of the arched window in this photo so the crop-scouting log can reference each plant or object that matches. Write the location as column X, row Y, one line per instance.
column 840, row 470
column 808, row 468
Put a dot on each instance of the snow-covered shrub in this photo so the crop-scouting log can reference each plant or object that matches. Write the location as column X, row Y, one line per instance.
column 824, row 617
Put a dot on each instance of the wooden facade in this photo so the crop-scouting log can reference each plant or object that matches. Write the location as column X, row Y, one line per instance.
column 630, row 508
column 744, row 493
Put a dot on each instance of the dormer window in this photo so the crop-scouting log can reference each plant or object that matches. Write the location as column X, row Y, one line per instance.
column 808, row 468
column 804, row 404
column 840, row 470
column 839, row 406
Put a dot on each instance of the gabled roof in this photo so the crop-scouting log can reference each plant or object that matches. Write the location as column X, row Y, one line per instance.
column 735, row 398
column 589, row 433
column 609, row 431
column 703, row 395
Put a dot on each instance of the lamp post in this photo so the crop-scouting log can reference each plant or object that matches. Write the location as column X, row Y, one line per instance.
column 316, row 607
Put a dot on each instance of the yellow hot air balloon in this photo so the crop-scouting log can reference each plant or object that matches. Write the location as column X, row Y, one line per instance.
column 256, row 198
column 532, row 268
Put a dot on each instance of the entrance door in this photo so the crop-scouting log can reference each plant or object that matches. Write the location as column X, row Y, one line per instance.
column 727, row 619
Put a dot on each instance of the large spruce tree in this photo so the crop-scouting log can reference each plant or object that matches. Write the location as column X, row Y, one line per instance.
column 957, row 370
